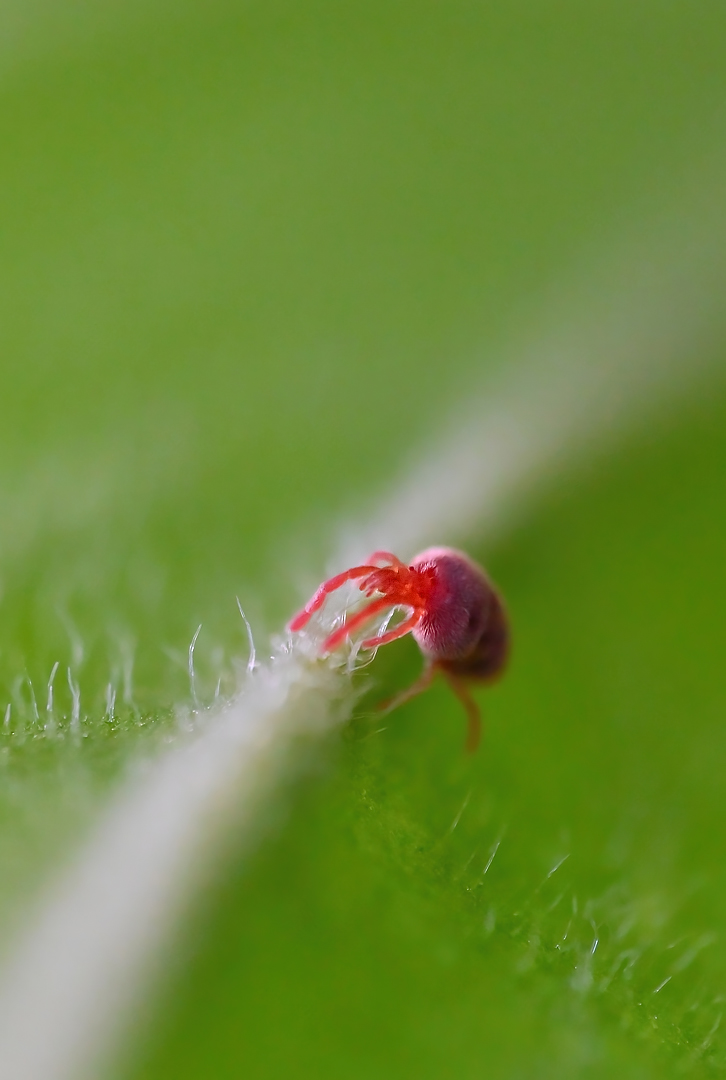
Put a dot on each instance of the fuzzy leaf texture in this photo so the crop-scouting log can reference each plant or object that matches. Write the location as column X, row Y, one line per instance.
column 280, row 284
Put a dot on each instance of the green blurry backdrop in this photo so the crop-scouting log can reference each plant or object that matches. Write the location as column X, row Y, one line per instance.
column 250, row 256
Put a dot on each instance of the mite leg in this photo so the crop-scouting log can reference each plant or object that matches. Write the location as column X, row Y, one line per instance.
column 344, row 631
column 473, row 715
column 385, row 557
column 319, row 597
column 398, row 631
column 422, row 683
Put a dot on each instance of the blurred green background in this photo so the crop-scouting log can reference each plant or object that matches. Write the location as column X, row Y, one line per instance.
column 251, row 255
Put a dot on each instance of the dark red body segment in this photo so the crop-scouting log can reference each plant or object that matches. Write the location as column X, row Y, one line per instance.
column 464, row 627
column 455, row 615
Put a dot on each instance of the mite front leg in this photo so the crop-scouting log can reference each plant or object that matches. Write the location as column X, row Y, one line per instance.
column 386, row 557
column 398, row 631
column 338, row 636
column 321, row 594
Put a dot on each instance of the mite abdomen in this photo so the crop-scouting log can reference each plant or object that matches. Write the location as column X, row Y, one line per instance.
column 488, row 658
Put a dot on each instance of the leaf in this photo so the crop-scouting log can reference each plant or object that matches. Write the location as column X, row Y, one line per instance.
column 252, row 257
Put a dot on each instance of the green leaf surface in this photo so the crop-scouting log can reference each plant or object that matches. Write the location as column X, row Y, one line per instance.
column 251, row 257
column 377, row 936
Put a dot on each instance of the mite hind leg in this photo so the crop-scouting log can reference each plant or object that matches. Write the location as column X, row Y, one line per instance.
column 422, row 683
column 473, row 713
column 460, row 687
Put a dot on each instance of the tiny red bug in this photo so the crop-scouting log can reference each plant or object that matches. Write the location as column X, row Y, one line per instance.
column 456, row 617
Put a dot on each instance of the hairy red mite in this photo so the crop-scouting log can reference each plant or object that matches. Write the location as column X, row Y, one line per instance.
column 455, row 616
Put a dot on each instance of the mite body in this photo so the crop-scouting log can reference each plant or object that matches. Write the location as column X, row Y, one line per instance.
column 454, row 614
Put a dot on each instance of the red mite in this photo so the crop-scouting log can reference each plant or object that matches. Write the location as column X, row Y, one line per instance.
column 455, row 615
